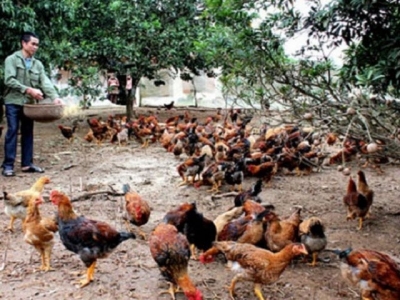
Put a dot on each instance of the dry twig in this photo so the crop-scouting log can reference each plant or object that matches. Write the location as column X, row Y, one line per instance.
column 3, row 265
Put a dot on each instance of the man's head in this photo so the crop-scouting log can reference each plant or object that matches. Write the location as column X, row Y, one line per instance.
column 29, row 43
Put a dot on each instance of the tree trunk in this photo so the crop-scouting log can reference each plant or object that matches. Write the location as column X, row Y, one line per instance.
column 132, row 98
column 129, row 105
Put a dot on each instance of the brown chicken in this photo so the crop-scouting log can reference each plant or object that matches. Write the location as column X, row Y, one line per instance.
column 166, row 139
column 173, row 121
column 234, row 229
column 254, row 264
column 137, row 209
column 144, row 134
column 88, row 238
column 365, row 190
column 357, row 204
column 251, row 207
column 246, row 229
column 39, row 232
column 99, row 129
column 264, row 171
column 15, row 204
column 89, row 137
column 376, row 274
column 254, row 231
column 312, row 235
column 170, row 250
column 279, row 232
column 67, row 132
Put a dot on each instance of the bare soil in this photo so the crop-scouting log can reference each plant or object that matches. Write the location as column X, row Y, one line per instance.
column 130, row 272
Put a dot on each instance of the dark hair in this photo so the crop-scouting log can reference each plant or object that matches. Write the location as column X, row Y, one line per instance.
column 26, row 36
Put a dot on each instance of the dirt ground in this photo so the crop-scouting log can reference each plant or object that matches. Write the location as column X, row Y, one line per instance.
column 130, row 272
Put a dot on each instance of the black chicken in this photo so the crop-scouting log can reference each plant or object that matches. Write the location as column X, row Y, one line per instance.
column 169, row 106
column 199, row 231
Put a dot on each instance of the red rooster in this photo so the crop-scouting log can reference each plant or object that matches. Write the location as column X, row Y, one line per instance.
column 89, row 238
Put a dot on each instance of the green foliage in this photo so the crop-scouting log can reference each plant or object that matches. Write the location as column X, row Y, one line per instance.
column 370, row 29
column 138, row 38
column 84, row 84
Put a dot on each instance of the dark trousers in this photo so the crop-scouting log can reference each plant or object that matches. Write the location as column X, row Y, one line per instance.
column 15, row 116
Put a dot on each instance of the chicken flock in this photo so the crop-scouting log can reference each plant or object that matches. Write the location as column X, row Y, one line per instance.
column 256, row 242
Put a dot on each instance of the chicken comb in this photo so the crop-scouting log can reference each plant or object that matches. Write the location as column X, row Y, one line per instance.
column 54, row 193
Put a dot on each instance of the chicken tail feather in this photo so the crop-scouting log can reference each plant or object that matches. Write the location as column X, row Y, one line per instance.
column 126, row 235
column 342, row 253
column 126, row 188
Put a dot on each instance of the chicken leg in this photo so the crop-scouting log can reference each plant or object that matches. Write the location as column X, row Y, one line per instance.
column 193, row 252
column 47, row 255
column 215, row 188
column 145, row 144
column 314, row 259
column 42, row 258
column 360, row 223
column 184, row 182
column 89, row 275
column 140, row 232
column 258, row 292
column 232, row 287
column 172, row 290
column 11, row 225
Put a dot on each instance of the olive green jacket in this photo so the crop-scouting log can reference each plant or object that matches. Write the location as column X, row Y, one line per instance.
column 17, row 79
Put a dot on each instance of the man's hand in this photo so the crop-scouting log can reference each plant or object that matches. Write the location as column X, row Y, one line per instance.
column 35, row 93
column 58, row 101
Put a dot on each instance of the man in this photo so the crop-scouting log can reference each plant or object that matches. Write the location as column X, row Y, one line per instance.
column 25, row 79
